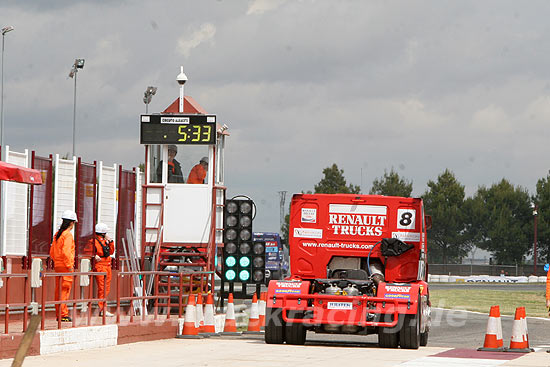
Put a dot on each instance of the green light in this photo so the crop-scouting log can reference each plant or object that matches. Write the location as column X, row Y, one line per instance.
column 230, row 261
column 230, row 275
column 244, row 262
column 244, row 275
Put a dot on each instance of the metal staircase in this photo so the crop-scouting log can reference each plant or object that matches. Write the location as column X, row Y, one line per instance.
column 195, row 260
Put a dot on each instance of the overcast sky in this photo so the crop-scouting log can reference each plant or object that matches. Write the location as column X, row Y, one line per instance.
column 416, row 85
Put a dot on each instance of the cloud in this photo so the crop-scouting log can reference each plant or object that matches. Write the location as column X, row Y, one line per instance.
column 491, row 119
column 205, row 33
column 420, row 86
column 259, row 7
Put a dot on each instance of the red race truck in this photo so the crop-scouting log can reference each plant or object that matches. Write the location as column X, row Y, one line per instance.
column 358, row 266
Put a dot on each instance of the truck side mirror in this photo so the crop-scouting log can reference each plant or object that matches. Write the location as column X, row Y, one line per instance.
column 428, row 221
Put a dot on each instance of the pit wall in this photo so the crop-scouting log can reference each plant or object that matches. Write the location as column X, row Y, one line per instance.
column 91, row 337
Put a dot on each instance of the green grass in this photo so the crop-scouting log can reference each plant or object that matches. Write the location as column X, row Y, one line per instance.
column 482, row 300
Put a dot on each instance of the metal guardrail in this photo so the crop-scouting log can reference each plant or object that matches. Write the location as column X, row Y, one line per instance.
column 186, row 283
column 75, row 300
column 6, row 306
column 189, row 281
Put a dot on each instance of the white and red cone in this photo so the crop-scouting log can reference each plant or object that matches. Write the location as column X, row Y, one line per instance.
column 190, row 330
column 230, row 327
column 209, row 323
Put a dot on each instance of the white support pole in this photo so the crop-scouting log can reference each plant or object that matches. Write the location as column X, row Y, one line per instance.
column 182, row 98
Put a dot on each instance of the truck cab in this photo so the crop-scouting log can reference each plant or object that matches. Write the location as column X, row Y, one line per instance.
column 358, row 266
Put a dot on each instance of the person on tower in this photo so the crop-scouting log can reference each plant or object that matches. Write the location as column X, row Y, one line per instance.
column 175, row 175
column 198, row 173
column 62, row 252
column 548, row 291
column 103, row 248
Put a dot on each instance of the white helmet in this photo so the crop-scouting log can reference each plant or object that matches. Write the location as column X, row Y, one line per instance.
column 70, row 215
column 101, row 228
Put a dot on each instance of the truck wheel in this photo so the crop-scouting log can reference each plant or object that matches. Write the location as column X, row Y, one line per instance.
column 295, row 333
column 423, row 339
column 274, row 326
column 388, row 337
column 410, row 333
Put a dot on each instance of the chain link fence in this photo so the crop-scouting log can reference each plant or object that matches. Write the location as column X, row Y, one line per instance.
column 493, row 270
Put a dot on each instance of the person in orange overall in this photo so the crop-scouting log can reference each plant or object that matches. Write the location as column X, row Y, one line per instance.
column 198, row 173
column 62, row 252
column 104, row 247
column 547, row 294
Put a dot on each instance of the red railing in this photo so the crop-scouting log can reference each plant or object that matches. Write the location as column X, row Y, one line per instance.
column 74, row 301
column 194, row 283
column 173, row 285
column 6, row 306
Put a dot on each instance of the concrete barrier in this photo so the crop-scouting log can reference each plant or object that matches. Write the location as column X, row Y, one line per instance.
column 523, row 280
column 542, row 279
column 444, row 278
column 533, row 279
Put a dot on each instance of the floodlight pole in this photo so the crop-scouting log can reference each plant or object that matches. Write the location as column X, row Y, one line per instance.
column 74, row 112
column 4, row 31
column 535, row 215
column 2, row 97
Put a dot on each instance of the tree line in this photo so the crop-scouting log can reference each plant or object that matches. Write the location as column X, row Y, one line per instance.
column 498, row 218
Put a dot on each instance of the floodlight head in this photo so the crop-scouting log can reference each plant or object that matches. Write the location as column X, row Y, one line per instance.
column 7, row 29
column 151, row 91
column 79, row 63
column 181, row 78
column 71, row 74
column 223, row 128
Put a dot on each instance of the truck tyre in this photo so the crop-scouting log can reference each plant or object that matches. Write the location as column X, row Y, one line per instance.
column 274, row 326
column 410, row 333
column 295, row 334
column 423, row 339
column 388, row 337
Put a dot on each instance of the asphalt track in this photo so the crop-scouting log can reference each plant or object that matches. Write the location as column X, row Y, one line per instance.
column 457, row 333
column 450, row 329
column 454, row 337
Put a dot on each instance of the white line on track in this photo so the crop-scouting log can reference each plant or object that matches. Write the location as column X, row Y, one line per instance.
column 483, row 313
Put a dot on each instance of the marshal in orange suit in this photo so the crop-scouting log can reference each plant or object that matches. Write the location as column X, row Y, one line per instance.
column 62, row 253
column 198, row 173
column 103, row 248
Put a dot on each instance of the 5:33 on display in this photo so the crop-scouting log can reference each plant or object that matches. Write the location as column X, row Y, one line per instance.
column 194, row 133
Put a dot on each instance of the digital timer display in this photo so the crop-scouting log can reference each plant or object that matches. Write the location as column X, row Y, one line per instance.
column 178, row 129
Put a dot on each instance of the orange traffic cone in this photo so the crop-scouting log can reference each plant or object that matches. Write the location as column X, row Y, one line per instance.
column 526, row 332
column 209, row 323
column 199, row 320
column 262, row 305
column 518, row 342
column 230, row 327
column 493, row 336
column 190, row 330
column 254, row 319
